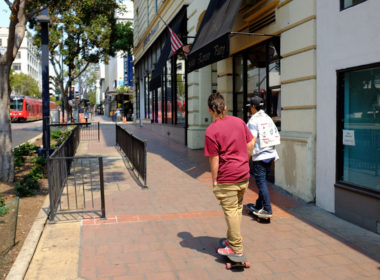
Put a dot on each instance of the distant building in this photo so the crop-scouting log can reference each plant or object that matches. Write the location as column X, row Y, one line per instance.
column 26, row 61
column 118, row 71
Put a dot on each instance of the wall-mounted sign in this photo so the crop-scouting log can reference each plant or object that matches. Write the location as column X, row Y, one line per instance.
column 147, row 39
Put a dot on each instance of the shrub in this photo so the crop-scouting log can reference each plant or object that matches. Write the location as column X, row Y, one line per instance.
column 3, row 208
column 19, row 152
column 25, row 149
column 55, row 134
column 27, row 185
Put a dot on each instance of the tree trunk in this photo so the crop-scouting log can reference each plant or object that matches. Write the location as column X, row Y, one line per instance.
column 6, row 154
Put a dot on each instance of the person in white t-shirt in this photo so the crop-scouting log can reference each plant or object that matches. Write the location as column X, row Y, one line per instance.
column 263, row 154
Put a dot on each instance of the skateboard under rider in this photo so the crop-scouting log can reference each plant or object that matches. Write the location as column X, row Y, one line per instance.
column 260, row 219
column 234, row 261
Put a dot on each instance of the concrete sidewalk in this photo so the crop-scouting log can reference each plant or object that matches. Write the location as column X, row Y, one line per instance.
column 171, row 229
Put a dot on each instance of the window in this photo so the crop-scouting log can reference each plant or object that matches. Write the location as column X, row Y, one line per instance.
column 358, row 135
column 181, row 90
column 257, row 72
column 17, row 66
column 18, row 55
column 344, row 4
column 169, row 95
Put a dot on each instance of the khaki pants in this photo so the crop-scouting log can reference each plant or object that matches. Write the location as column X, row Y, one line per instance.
column 231, row 200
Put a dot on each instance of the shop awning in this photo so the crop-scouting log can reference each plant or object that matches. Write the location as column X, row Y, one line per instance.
column 212, row 42
column 156, row 80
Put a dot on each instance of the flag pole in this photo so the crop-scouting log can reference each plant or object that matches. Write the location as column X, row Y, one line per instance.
column 163, row 20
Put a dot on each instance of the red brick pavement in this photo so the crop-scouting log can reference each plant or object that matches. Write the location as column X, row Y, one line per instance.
column 171, row 229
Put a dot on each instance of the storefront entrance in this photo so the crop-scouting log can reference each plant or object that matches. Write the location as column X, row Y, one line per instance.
column 256, row 72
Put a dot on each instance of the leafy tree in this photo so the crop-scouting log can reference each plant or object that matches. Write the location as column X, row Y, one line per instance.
column 21, row 12
column 23, row 84
column 92, row 97
column 81, row 33
column 123, row 89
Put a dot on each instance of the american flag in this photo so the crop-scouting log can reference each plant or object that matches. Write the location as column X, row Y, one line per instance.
column 175, row 41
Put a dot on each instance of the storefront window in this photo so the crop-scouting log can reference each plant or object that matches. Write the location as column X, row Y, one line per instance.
column 181, row 90
column 137, row 114
column 344, row 4
column 238, row 87
column 257, row 73
column 159, row 105
column 146, row 100
column 360, row 138
column 274, row 92
column 169, row 93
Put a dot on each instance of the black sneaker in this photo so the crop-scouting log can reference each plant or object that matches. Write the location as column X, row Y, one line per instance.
column 262, row 213
column 252, row 207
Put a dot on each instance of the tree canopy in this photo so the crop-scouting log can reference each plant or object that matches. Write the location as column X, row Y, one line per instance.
column 23, row 84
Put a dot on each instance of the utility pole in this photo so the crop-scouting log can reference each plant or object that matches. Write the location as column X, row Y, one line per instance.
column 44, row 20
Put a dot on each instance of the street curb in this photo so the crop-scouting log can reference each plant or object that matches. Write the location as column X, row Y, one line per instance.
column 21, row 265
column 31, row 140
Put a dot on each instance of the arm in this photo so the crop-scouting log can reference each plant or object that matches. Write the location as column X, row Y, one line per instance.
column 214, row 166
column 250, row 146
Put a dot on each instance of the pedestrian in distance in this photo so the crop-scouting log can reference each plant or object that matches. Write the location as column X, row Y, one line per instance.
column 265, row 137
column 228, row 143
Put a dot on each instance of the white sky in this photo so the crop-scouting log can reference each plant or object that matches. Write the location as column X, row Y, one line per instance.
column 4, row 14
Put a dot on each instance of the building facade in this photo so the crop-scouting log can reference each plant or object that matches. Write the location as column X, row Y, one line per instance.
column 118, row 72
column 348, row 114
column 26, row 61
column 241, row 49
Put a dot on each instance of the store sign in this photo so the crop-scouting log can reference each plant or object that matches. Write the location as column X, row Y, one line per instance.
column 147, row 39
column 213, row 52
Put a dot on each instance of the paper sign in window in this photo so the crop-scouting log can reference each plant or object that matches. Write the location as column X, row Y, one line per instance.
column 348, row 137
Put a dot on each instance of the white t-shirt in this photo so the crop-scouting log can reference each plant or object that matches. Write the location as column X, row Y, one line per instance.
column 253, row 124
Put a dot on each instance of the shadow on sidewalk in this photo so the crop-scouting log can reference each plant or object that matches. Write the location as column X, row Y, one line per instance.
column 203, row 244
column 190, row 161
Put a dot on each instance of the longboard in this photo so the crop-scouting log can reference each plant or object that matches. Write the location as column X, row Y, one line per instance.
column 234, row 261
column 265, row 220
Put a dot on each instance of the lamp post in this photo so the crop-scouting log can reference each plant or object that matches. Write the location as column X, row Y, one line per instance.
column 44, row 20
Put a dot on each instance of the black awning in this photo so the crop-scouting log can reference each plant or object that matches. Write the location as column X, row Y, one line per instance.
column 212, row 42
column 156, row 80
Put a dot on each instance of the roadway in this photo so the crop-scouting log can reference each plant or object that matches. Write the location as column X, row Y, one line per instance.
column 22, row 132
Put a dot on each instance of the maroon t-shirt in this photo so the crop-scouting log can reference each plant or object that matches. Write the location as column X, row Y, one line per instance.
column 228, row 138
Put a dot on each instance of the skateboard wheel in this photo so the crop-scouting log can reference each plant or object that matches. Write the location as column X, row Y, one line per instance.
column 228, row 265
column 247, row 264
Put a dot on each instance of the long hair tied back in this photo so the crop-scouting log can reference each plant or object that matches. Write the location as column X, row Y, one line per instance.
column 216, row 103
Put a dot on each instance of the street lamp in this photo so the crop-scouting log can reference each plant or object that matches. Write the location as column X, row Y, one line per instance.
column 44, row 20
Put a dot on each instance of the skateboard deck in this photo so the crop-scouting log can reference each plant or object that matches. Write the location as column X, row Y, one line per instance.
column 258, row 218
column 237, row 262
column 234, row 261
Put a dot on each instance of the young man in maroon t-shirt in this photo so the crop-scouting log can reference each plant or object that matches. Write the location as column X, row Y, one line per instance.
column 228, row 144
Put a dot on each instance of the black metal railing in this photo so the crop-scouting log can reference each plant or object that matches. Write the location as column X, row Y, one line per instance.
column 77, row 189
column 73, row 179
column 89, row 131
column 134, row 149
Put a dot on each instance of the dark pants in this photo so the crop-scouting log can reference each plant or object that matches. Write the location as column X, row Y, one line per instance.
column 260, row 171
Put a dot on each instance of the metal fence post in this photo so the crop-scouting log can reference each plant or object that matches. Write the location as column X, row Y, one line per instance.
column 51, row 193
column 102, row 187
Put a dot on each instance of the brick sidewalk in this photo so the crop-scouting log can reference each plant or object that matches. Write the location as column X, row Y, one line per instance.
column 171, row 229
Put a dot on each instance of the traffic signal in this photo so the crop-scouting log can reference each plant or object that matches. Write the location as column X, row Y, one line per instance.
column 72, row 92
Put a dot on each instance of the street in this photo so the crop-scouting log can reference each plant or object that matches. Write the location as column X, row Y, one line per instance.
column 22, row 132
